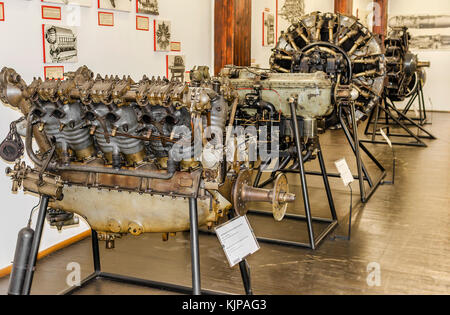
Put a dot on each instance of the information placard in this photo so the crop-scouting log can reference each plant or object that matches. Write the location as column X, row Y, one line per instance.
column 389, row 142
column 175, row 46
column 51, row 13
column 344, row 171
column 54, row 72
column 105, row 19
column 237, row 239
column 142, row 23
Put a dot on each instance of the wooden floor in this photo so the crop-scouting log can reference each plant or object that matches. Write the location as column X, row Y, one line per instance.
column 404, row 228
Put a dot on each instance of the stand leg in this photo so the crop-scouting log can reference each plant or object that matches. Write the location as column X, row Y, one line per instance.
column 95, row 252
column 369, row 121
column 272, row 177
column 35, row 245
column 355, row 148
column 245, row 274
column 258, row 176
column 302, row 176
column 375, row 126
column 326, row 182
column 410, row 121
column 195, row 254
column 357, row 152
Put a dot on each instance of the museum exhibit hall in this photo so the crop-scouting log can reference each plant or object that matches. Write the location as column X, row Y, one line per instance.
column 237, row 150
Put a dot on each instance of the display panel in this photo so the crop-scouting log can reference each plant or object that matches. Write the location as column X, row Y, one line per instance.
column 142, row 23
column 54, row 72
column 147, row 7
column 120, row 5
column 2, row 11
column 162, row 35
column 51, row 13
column 60, row 44
column 175, row 46
column 105, row 19
column 84, row 3
column 268, row 29
column 176, row 67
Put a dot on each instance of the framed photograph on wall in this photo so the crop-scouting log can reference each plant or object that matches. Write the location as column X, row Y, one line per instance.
column 176, row 67
column 147, row 7
column 60, row 43
column 2, row 11
column 83, row 3
column 162, row 35
column 268, row 29
column 119, row 5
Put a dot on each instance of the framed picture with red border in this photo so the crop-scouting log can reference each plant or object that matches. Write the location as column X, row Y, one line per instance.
column 118, row 5
column 175, row 46
column 147, row 7
column 142, row 23
column 51, row 12
column 83, row 3
column 105, row 18
column 162, row 33
column 51, row 42
column 175, row 67
column 2, row 11
column 54, row 72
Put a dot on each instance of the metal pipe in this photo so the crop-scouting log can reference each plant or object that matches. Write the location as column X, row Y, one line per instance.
column 112, row 171
column 35, row 245
column 245, row 274
column 195, row 254
column 29, row 142
column 326, row 182
column 298, row 144
column 95, row 251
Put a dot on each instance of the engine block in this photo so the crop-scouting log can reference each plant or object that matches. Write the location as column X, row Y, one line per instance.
column 127, row 156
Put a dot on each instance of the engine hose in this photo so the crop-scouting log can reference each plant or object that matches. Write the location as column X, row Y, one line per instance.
column 111, row 171
column 29, row 141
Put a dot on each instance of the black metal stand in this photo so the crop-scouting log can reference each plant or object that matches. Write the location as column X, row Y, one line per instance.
column 98, row 274
column 347, row 118
column 400, row 120
column 299, row 168
column 422, row 111
column 35, row 245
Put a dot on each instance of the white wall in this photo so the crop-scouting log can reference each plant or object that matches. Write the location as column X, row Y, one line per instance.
column 107, row 50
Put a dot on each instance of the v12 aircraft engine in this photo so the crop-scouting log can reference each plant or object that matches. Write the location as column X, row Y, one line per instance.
column 126, row 155
column 340, row 46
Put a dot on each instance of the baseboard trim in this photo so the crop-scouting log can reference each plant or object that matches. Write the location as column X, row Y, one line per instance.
column 7, row 270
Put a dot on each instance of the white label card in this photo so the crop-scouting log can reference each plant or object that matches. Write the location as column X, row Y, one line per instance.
column 344, row 171
column 237, row 239
column 386, row 137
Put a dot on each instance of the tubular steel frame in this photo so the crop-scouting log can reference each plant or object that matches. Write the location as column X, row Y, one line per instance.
column 399, row 119
column 99, row 274
column 300, row 169
column 347, row 118
column 418, row 94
